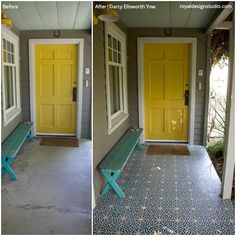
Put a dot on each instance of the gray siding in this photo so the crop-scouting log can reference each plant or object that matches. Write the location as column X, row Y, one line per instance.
column 10, row 127
column 24, row 66
column 5, row 131
column 133, row 33
column 102, row 142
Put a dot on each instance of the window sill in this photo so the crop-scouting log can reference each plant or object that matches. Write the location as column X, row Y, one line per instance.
column 11, row 116
column 116, row 122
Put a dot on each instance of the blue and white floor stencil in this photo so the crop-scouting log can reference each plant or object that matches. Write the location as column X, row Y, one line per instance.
column 166, row 195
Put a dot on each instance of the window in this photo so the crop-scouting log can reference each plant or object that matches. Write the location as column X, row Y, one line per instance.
column 10, row 76
column 116, row 82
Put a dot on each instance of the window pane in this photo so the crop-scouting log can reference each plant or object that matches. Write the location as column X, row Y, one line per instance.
column 8, row 46
column 8, row 79
column 109, row 41
column 12, row 47
column 110, row 54
column 12, row 58
column 119, row 58
column 114, row 89
column 119, row 46
column 114, row 44
column 9, row 57
column 114, row 56
column 4, row 56
column 4, row 44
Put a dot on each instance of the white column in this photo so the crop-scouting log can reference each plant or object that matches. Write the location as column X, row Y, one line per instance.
column 94, row 199
column 229, row 155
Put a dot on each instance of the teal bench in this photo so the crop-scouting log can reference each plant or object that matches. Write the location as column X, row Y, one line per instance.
column 113, row 163
column 12, row 145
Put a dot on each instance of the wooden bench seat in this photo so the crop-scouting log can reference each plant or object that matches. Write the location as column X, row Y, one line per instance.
column 12, row 145
column 113, row 163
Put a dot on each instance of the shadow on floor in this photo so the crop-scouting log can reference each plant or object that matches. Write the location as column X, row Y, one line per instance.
column 52, row 194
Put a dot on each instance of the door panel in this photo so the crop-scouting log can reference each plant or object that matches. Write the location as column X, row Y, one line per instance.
column 156, row 81
column 65, row 79
column 47, row 117
column 46, row 80
column 55, row 77
column 166, row 77
column 65, row 115
column 157, row 114
column 177, row 82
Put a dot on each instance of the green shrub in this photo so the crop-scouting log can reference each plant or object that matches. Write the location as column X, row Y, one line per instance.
column 216, row 149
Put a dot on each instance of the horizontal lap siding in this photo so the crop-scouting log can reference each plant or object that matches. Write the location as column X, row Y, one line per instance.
column 5, row 131
column 133, row 33
column 102, row 142
column 24, row 72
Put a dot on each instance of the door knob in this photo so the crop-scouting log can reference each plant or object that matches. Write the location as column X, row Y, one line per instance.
column 74, row 94
column 186, row 97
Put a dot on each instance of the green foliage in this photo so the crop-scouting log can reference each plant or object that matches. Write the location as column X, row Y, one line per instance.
column 219, row 46
column 217, row 124
column 216, row 149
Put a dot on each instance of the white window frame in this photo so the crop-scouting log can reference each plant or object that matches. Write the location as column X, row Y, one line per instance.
column 12, row 112
column 116, row 119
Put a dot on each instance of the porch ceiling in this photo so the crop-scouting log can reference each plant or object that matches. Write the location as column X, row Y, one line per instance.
column 52, row 15
column 167, row 14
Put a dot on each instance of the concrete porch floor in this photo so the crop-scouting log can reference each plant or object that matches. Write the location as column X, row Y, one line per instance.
column 52, row 194
column 166, row 195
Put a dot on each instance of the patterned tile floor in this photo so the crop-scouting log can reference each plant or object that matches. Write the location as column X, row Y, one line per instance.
column 166, row 195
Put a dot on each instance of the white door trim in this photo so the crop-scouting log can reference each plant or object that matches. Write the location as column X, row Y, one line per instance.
column 193, row 43
column 80, row 43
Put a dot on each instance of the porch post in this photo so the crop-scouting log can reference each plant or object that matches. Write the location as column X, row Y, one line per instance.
column 229, row 153
column 207, row 88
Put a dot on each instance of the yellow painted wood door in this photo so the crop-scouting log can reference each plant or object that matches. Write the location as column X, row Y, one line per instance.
column 166, row 78
column 55, row 78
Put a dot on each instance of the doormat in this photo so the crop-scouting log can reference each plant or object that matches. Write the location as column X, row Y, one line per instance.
column 55, row 141
column 168, row 150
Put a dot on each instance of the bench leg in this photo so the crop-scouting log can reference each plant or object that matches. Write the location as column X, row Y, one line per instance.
column 111, row 182
column 9, row 162
column 7, row 167
column 29, row 136
column 139, row 145
column 108, row 186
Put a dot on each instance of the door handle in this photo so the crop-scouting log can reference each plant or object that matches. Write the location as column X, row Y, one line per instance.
column 186, row 97
column 74, row 94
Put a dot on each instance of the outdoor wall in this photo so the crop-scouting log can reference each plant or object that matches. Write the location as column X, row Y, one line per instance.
column 24, row 72
column 10, row 127
column 132, row 70
column 102, row 142
column 5, row 131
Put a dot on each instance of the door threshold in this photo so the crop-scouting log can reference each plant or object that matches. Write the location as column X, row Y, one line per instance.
column 56, row 135
column 184, row 142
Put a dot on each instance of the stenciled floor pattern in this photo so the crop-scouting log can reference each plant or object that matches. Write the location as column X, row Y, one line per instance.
column 166, row 195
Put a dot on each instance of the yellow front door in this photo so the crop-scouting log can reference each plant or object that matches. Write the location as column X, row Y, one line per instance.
column 55, row 78
column 166, row 82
